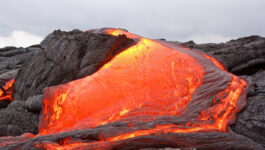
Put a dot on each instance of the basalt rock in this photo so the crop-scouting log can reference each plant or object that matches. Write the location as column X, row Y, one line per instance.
column 34, row 103
column 11, row 59
column 66, row 56
column 15, row 120
column 243, row 56
column 250, row 122
column 4, row 103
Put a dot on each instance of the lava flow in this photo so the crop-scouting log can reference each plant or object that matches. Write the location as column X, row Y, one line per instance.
column 147, row 82
column 6, row 91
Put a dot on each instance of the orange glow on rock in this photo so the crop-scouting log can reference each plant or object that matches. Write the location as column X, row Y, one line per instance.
column 7, row 93
column 116, row 32
column 148, row 80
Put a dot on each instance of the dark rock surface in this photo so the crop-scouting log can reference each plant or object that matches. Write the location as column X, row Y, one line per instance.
column 15, row 120
column 66, row 56
column 34, row 103
column 11, row 59
column 243, row 56
column 251, row 122
column 4, row 103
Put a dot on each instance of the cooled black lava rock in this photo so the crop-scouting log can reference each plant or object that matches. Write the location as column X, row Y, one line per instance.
column 34, row 103
column 15, row 120
column 4, row 103
column 11, row 58
column 243, row 56
column 251, row 121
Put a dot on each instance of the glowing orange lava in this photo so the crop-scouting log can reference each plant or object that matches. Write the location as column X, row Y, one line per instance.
column 6, row 93
column 148, row 79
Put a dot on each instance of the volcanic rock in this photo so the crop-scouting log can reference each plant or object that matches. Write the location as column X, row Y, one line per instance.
column 11, row 58
column 4, row 103
column 34, row 103
column 243, row 56
column 15, row 120
column 66, row 56
column 250, row 122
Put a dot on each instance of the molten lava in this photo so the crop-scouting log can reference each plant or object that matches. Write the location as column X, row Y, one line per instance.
column 147, row 82
column 6, row 91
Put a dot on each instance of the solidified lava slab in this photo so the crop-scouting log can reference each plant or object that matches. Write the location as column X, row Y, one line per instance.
column 153, row 94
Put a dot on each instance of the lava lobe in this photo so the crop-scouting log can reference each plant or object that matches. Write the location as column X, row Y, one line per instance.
column 175, row 89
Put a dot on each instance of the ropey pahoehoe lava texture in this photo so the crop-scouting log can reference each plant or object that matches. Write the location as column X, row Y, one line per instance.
column 152, row 94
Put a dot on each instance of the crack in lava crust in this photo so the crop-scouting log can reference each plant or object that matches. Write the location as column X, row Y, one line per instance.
column 147, row 82
column 6, row 91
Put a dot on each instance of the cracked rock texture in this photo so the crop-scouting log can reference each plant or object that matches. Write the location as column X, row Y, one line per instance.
column 243, row 56
column 11, row 59
column 15, row 120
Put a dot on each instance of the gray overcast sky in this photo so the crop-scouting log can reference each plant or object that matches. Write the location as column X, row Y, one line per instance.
column 26, row 22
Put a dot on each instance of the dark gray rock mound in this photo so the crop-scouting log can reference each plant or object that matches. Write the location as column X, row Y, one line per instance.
column 34, row 104
column 15, row 120
column 251, row 121
column 66, row 56
column 12, row 58
column 243, row 56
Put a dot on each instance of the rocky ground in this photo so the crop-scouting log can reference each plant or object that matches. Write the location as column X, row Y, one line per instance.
column 67, row 56
column 15, row 120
